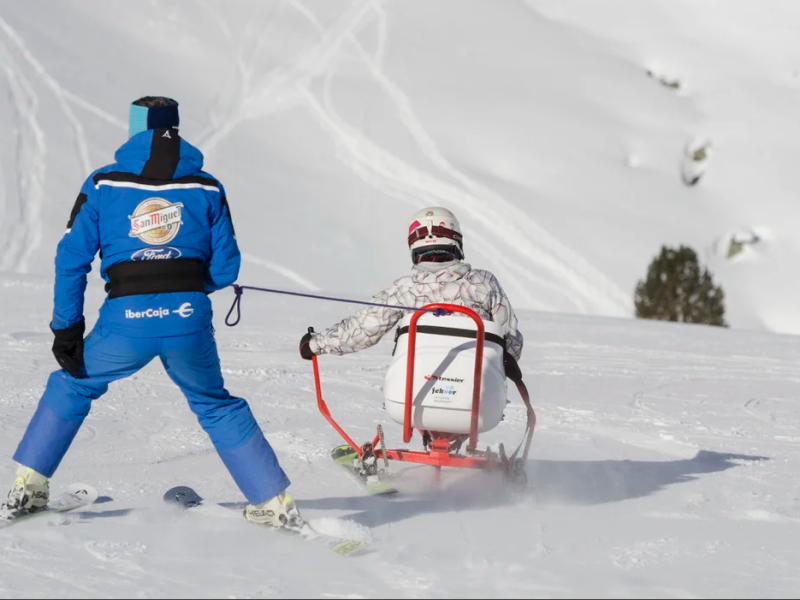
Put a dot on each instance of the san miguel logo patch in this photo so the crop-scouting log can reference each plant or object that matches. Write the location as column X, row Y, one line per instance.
column 156, row 221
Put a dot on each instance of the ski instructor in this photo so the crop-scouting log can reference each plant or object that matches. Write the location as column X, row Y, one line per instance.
column 164, row 232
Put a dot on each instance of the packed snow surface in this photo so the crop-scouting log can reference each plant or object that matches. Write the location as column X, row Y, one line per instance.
column 665, row 464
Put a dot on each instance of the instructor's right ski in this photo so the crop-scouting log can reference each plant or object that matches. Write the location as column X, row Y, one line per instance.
column 186, row 498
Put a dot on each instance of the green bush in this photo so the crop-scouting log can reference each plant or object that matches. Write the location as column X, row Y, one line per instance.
column 678, row 289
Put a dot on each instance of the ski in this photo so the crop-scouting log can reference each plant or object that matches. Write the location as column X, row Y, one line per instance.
column 346, row 457
column 188, row 499
column 75, row 496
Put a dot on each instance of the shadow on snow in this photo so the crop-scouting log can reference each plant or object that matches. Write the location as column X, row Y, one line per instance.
column 550, row 482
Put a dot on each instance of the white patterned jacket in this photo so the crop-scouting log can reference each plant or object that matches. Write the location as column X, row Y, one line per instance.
column 450, row 283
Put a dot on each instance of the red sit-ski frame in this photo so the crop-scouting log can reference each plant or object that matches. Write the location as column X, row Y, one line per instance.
column 440, row 454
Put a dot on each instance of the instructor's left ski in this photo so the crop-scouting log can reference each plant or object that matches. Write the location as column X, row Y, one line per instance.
column 187, row 499
column 72, row 498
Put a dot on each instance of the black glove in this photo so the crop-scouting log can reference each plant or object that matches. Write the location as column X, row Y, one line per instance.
column 305, row 346
column 513, row 371
column 68, row 347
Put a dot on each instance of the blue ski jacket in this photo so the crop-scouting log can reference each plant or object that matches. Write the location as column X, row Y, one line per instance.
column 154, row 203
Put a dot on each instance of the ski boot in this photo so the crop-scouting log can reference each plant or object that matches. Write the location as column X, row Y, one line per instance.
column 31, row 493
column 279, row 512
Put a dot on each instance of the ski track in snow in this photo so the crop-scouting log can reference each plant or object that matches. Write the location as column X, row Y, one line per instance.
column 27, row 230
column 94, row 109
column 81, row 145
column 278, row 89
column 578, row 276
column 397, row 179
column 22, row 228
column 227, row 112
column 281, row 270
column 562, row 270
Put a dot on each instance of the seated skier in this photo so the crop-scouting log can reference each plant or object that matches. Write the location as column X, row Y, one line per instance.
column 439, row 275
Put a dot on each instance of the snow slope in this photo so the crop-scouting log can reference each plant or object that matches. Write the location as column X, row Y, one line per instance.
column 331, row 122
column 665, row 465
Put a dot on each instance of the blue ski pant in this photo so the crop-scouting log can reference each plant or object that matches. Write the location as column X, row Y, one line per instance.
column 193, row 364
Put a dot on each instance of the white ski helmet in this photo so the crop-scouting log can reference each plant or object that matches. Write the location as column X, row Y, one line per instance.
column 436, row 233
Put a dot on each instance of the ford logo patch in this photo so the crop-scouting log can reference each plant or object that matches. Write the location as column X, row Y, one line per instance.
column 165, row 253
